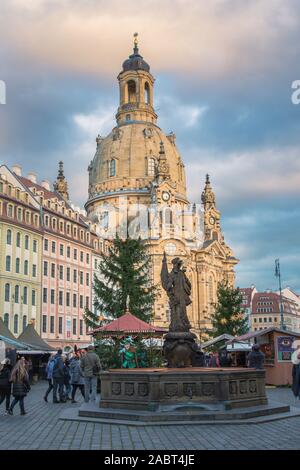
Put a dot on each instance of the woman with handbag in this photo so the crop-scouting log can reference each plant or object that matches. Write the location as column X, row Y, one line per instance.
column 20, row 383
column 5, row 385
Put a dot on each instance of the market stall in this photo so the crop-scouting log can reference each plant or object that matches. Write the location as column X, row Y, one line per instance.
column 278, row 346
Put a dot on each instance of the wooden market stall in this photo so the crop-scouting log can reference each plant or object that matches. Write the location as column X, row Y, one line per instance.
column 278, row 346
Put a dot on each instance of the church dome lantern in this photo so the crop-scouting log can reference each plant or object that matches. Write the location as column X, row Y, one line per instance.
column 136, row 90
column 135, row 60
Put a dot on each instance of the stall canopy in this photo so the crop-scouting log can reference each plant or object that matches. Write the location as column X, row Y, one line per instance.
column 128, row 324
column 219, row 341
column 8, row 338
column 32, row 339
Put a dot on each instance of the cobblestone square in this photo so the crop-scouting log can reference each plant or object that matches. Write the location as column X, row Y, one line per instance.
column 41, row 429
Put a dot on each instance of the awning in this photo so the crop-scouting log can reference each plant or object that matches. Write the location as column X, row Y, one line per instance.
column 32, row 339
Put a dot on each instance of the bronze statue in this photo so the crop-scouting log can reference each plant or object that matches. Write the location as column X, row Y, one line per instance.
column 179, row 345
column 178, row 289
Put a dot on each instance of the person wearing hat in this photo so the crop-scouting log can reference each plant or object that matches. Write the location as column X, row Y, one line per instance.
column 5, row 384
column 256, row 358
column 91, row 366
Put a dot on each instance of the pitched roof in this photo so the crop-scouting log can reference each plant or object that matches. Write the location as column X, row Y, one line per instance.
column 224, row 337
column 31, row 337
column 254, row 334
column 129, row 324
column 4, row 331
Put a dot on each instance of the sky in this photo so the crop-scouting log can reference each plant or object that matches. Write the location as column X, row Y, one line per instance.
column 224, row 71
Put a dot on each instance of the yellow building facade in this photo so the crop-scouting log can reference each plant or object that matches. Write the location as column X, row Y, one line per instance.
column 137, row 184
column 20, row 256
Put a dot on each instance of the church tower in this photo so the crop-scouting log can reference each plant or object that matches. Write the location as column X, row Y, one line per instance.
column 61, row 185
column 138, row 167
column 136, row 89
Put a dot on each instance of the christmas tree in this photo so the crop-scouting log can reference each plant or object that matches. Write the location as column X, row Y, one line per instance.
column 124, row 273
column 229, row 316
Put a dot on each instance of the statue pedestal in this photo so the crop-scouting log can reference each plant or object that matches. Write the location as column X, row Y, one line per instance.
column 179, row 349
column 168, row 389
column 189, row 395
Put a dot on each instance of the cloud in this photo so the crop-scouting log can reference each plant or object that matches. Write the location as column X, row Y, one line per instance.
column 223, row 72
column 188, row 36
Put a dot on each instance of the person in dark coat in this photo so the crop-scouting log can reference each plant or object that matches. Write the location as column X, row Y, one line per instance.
column 77, row 378
column 58, row 376
column 5, row 384
column 20, row 386
column 67, row 378
column 225, row 359
column 256, row 358
column 198, row 359
column 49, row 372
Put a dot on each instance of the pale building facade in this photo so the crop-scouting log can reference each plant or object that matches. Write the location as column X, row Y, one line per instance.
column 137, row 184
column 20, row 255
column 46, row 260
column 66, row 265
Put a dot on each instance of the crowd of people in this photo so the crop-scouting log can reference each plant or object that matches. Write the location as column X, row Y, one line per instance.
column 79, row 371
column 65, row 375
column 255, row 359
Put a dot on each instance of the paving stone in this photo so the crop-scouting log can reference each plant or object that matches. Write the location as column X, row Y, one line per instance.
column 48, row 432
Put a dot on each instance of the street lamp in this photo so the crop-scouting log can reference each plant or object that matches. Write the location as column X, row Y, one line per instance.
column 277, row 274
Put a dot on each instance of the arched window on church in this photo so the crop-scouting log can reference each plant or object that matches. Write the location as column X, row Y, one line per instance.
column 147, row 93
column 151, row 166
column 131, row 91
column 210, row 290
column 112, row 167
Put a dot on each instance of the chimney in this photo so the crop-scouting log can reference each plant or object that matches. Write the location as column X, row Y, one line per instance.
column 32, row 177
column 46, row 184
column 17, row 169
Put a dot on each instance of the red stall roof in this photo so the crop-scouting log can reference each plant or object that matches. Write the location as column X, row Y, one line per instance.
column 129, row 324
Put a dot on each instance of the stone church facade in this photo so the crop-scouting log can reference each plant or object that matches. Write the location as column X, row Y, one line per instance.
column 137, row 184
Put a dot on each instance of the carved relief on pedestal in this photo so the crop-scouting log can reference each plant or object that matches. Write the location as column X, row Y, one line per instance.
column 143, row 389
column 171, row 389
column 243, row 386
column 252, row 386
column 208, row 389
column 116, row 388
column 129, row 388
column 233, row 388
column 189, row 389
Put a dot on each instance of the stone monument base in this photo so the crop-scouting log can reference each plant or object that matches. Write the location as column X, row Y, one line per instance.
column 193, row 394
column 171, row 389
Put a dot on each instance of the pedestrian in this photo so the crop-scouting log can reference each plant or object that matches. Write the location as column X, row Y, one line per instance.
column 77, row 378
column 225, row 359
column 296, row 373
column 58, row 376
column 67, row 378
column 90, row 366
column 198, row 359
column 20, row 386
column 49, row 372
column 256, row 358
column 214, row 360
column 5, row 384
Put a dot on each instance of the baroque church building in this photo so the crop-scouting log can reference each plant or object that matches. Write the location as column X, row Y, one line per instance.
column 137, row 181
